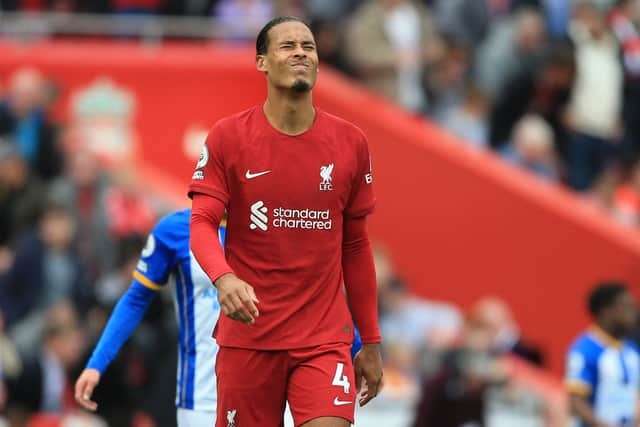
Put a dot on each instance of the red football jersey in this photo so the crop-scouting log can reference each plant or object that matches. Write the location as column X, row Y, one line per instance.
column 286, row 197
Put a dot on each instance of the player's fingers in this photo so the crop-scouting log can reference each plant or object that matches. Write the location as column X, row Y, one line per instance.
column 248, row 302
column 252, row 293
column 373, row 387
column 239, row 310
column 83, row 392
column 358, row 380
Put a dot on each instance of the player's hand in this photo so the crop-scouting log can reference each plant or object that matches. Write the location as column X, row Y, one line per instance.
column 85, row 384
column 237, row 299
column 368, row 367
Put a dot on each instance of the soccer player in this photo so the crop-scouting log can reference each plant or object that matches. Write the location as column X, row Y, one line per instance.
column 197, row 310
column 296, row 183
column 602, row 365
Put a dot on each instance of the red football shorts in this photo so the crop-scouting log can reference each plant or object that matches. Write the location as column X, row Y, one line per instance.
column 253, row 385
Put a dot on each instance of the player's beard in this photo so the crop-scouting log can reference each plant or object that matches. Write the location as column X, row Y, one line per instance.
column 301, row 86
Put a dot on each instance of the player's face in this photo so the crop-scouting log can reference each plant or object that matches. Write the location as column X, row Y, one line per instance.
column 625, row 312
column 291, row 61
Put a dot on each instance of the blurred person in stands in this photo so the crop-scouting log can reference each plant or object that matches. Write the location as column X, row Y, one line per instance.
column 465, row 21
column 516, row 44
column 389, row 42
column 242, row 19
column 22, row 197
column 544, row 90
column 624, row 21
column 83, row 191
column 45, row 271
column 44, row 384
column 495, row 316
column 445, row 79
column 331, row 48
column 603, row 365
column 454, row 395
column 594, row 113
column 129, row 210
column 531, row 148
column 24, row 119
column 468, row 120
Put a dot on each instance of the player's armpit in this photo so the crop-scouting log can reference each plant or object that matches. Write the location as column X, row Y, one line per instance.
column 206, row 214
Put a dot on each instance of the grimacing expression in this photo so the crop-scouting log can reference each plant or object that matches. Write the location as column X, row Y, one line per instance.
column 291, row 61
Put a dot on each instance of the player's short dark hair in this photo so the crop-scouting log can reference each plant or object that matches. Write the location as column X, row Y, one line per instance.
column 604, row 295
column 262, row 41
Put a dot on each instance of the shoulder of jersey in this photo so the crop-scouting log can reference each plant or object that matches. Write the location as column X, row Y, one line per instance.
column 587, row 345
column 343, row 126
column 235, row 121
column 173, row 229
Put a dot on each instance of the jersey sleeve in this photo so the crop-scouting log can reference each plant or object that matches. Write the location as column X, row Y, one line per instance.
column 158, row 258
column 580, row 376
column 361, row 200
column 210, row 177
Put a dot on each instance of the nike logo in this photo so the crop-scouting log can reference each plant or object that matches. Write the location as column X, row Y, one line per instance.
column 341, row 402
column 250, row 175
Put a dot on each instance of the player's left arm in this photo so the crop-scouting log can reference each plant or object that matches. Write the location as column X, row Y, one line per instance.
column 360, row 283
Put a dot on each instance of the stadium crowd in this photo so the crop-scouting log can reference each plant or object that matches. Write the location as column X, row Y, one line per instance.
column 553, row 87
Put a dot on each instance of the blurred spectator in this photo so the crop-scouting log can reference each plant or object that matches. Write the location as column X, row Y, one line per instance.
column 516, row 44
column 465, row 21
column 494, row 316
column 330, row 45
column 455, row 395
column 531, row 148
column 330, row 10
column 544, row 90
column 445, row 79
column 242, row 19
column 602, row 193
column 83, row 190
column 128, row 209
column 469, row 120
column 44, row 384
column 389, row 42
column 558, row 14
column 624, row 24
column 22, row 196
column 596, row 101
column 407, row 321
column 45, row 271
column 23, row 118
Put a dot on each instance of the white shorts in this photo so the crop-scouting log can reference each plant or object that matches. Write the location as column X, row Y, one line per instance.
column 193, row 418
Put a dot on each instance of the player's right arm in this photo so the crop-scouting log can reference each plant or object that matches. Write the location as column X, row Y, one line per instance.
column 156, row 262
column 209, row 192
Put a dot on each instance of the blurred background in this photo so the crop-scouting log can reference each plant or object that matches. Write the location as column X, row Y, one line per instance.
column 505, row 137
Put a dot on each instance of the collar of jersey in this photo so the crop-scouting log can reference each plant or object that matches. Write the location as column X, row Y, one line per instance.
column 604, row 337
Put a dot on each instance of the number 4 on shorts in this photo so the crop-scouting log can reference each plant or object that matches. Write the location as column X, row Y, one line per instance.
column 341, row 380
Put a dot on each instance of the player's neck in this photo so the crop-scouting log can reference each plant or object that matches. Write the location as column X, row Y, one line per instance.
column 288, row 114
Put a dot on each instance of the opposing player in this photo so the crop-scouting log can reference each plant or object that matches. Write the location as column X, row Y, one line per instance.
column 197, row 310
column 296, row 183
column 603, row 366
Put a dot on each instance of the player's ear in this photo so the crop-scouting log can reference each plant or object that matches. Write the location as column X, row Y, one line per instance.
column 261, row 63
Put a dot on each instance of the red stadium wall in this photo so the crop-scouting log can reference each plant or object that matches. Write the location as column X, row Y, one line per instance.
column 460, row 224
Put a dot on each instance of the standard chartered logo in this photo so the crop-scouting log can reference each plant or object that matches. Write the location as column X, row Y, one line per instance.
column 305, row 219
column 259, row 217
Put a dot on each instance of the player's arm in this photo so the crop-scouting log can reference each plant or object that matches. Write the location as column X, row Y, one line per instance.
column 579, row 382
column 124, row 319
column 236, row 297
column 360, row 284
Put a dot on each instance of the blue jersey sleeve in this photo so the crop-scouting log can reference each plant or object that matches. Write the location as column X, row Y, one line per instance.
column 356, row 345
column 581, row 368
column 158, row 258
column 123, row 321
